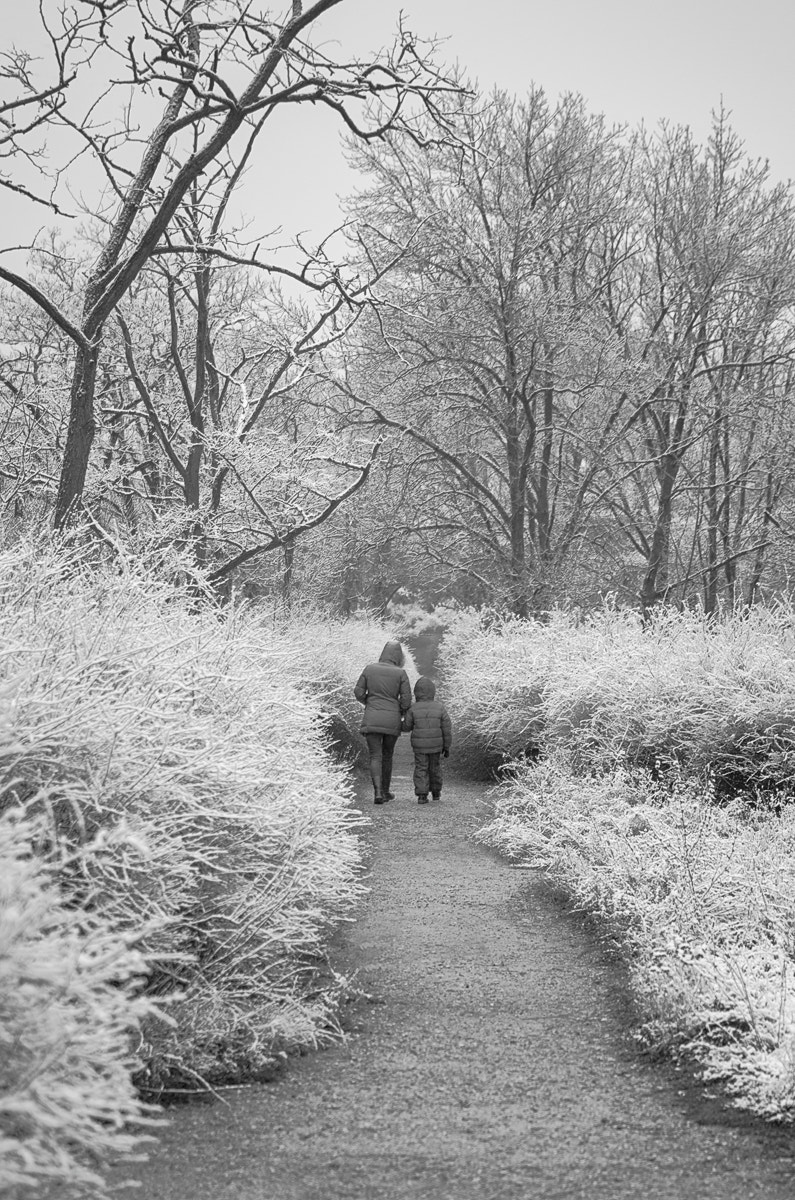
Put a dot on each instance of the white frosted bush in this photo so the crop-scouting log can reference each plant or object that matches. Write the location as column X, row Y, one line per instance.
column 173, row 831
column 70, row 1002
column 703, row 894
column 186, row 727
column 705, row 694
column 328, row 656
column 702, row 897
column 415, row 621
column 708, row 695
column 494, row 672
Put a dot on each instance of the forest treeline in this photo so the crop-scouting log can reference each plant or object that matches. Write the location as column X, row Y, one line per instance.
column 551, row 360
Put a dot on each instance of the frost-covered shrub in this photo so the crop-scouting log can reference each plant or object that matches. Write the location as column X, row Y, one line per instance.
column 493, row 670
column 702, row 898
column 176, row 840
column 713, row 697
column 423, row 631
column 414, row 621
column 636, row 730
column 185, row 729
column 70, row 1003
column 327, row 657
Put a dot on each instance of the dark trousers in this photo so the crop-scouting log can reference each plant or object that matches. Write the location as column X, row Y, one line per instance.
column 427, row 773
column 381, row 747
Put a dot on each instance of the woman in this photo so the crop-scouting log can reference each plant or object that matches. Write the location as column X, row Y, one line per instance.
column 385, row 692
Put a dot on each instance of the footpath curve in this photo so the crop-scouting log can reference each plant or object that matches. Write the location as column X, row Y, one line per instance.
column 491, row 1059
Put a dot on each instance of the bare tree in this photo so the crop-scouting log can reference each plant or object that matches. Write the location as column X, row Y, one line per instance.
column 486, row 352
column 221, row 389
column 34, row 84
column 591, row 338
column 702, row 313
column 221, row 69
column 34, row 387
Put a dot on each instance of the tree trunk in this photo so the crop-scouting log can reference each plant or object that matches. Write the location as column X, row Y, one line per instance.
column 544, row 505
column 655, row 580
column 771, row 494
column 725, row 516
column 542, row 596
column 711, row 578
column 518, row 512
column 80, row 434
column 287, row 574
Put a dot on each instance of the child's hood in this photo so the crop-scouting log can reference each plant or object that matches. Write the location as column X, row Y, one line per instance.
column 424, row 688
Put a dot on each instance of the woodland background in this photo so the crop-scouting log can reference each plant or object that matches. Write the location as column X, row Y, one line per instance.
column 548, row 361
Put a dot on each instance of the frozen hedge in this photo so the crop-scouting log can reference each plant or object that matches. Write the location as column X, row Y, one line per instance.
column 713, row 697
column 167, row 772
column 632, row 752
column 701, row 896
column 70, row 997
column 328, row 656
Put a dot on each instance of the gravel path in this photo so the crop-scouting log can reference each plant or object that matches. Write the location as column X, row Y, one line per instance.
column 492, row 1060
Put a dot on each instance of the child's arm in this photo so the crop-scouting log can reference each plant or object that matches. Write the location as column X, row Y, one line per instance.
column 447, row 730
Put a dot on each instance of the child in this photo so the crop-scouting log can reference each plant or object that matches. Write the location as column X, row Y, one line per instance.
column 431, row 737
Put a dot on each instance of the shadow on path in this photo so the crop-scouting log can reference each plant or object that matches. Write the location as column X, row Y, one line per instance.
column 490, row 1062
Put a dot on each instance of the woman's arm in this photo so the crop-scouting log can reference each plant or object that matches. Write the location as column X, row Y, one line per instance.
column 360, row 691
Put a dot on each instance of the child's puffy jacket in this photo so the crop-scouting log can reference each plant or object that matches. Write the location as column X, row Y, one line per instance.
column 428, row 720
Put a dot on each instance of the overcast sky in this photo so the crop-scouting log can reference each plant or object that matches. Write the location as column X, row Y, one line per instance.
column 634, row 60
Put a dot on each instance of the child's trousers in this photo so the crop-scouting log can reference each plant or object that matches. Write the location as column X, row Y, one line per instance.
column 427, row 773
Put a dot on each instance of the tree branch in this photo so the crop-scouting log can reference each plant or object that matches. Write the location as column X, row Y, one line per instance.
column 52, row 310
column 143, row 392
column 285, row 539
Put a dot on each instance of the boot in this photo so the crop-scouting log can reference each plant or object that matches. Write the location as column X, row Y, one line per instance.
column 388, row 795
column 422, row 798
column 379, row 797
column 436, row 795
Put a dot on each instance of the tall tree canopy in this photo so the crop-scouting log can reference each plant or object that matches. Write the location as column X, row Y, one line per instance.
column 154, row 94
column 588, row 340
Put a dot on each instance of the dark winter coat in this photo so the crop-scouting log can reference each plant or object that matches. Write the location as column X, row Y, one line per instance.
column 428, row 720
column 385, row 692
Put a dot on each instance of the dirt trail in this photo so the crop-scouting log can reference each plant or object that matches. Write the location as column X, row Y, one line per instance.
column 493, row 1061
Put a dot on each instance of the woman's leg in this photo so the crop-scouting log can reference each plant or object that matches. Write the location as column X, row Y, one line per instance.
column 388, row 749
column 374, row 747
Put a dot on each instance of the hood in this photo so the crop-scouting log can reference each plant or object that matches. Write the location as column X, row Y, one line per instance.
column 392, row 653
column 424, row 688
